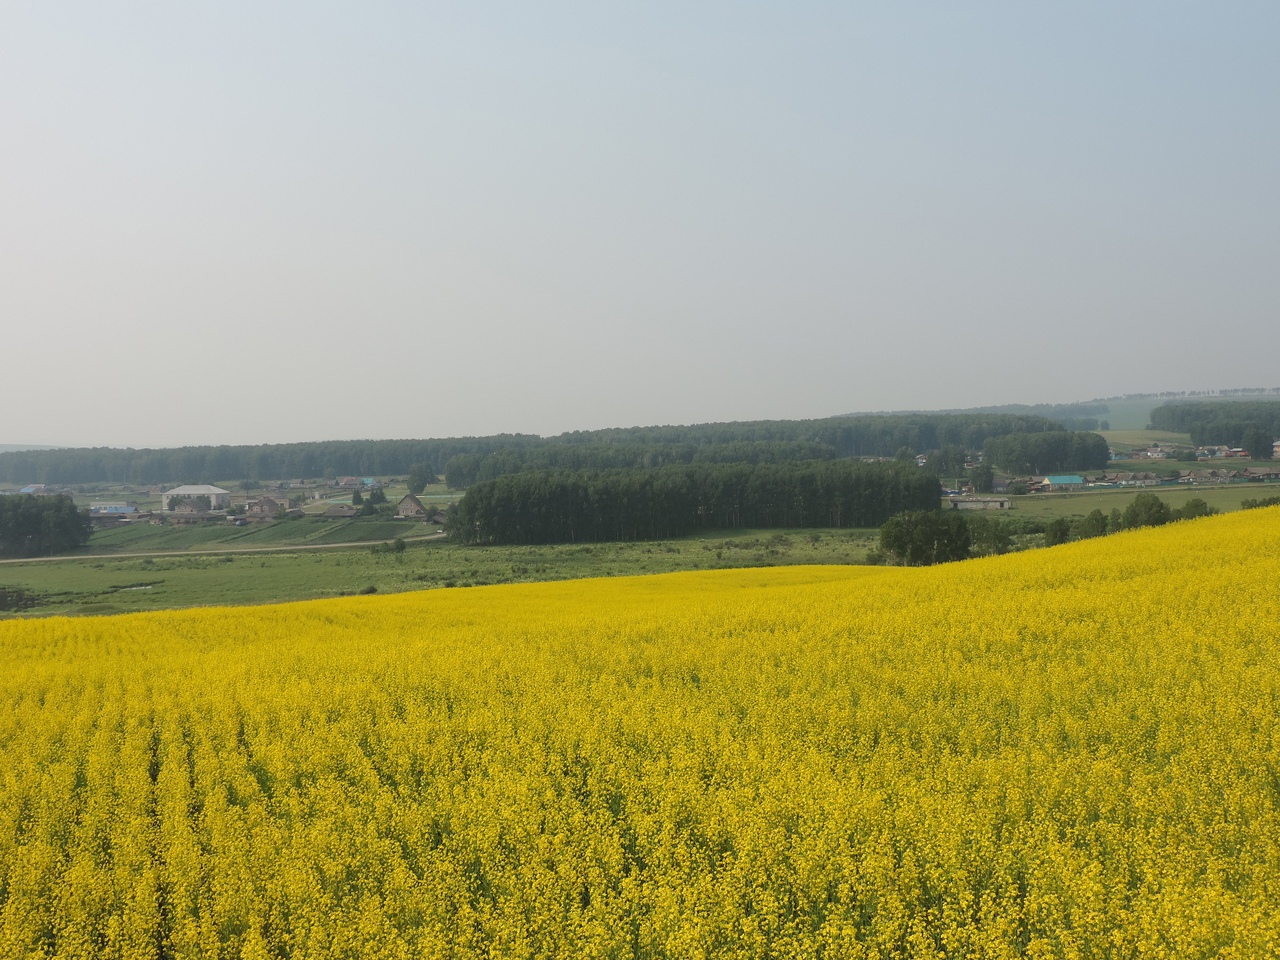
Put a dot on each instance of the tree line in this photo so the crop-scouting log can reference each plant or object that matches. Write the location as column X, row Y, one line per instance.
column 39, row 526
column 1057, row 451
column 881, row 435
column 466, row 469
column 561, row 506
column 917, row 538
column 1253, row 425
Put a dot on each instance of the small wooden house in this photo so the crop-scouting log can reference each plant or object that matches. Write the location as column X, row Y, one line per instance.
column 264, row 508
column 411, row 508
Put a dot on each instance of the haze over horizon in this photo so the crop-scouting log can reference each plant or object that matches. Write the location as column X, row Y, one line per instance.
column 304, row 222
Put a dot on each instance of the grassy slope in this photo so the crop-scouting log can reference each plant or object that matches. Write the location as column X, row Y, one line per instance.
column 1223, row 497
column 112, row 585
column 140, row 537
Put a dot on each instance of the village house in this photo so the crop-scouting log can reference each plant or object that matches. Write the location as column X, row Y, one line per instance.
column 342, row 510
column 1215, row 475
column 1132, row 479
column 1063, row 481
column 112, row 509
column 411, row 508
column 264, row 508
column 186, row 512
column 1262, row 473
column 104, row 515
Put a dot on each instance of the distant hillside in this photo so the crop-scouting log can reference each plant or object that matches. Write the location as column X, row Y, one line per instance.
column 464, row 460
column 18, row 447
column 1130, row 411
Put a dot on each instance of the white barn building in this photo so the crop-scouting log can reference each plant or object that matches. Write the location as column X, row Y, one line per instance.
column 219, row 499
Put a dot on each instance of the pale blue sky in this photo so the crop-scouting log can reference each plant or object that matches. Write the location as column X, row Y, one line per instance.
column 242, row 222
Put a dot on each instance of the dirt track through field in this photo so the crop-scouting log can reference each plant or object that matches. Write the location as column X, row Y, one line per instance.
column 225, row 550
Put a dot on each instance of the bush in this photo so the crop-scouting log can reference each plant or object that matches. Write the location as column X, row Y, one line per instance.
column 1193, row 508
column 1146, row 510
column 1094, row 525
column 1255, row 503
column 1056, row 532
column 989, row 536
column 920, row 538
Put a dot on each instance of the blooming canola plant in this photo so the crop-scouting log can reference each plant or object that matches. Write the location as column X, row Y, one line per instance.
column 1066, row 753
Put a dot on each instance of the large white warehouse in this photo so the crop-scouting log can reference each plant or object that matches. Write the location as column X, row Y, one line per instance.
column 219, row 499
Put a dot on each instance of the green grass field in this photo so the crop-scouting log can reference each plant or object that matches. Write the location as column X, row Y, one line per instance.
column 1144, row 438
column 139, row 537
column 1224, row 497
column 117, row 585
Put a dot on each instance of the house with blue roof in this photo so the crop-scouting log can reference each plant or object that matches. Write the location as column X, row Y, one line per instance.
column 1063, row 481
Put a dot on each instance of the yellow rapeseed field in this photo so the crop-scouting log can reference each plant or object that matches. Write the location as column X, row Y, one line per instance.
column 1064, row 753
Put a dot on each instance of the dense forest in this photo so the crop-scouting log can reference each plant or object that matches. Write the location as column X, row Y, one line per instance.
column 764, row 441
column 1044, row 453
column 333, row 458
column 673, row 501
column 1253, row 425
column 40, row 526
column 466, row 469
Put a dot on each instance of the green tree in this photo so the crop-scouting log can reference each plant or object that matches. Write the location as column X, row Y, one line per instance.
column 1146, row 510
column 1258, row 441
column 357, row 498
column 988, row 535
column 420, row 476
column 40, row 526
column 1094, row 525
column 1057, row 531
column 919, row 538
column 377, row 496
column 982, row 477
column 1193, row 508
column 948, row 462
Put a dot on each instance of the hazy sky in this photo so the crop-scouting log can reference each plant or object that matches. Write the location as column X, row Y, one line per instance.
column 262, row 222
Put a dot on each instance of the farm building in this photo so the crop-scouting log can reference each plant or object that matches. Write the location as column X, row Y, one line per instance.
column 342, row 510
column 219, row 499
column 1208, row 476
column 1063, row 481
column 1262, row 473
column 979, row 503
column 1134, row 479
column 112, row 509
column 411, row 508
column 264, row 508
